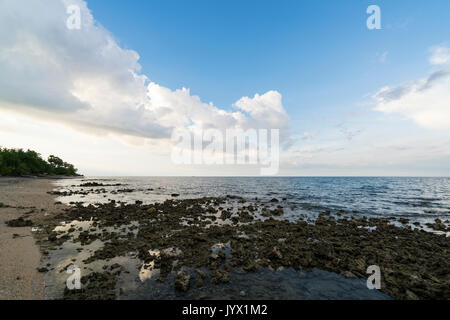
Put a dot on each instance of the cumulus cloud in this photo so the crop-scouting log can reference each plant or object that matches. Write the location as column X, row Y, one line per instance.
column 426, row 101
column 266, row 109
column 85, row 79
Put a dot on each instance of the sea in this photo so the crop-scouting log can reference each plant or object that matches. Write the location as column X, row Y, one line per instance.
column 418, row 199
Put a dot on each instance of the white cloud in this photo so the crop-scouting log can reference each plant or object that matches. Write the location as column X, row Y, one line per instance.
column 379, row 150
column 440, row 55
column 266, row 109
column 425, row 101
column 308, row 135
column 84, row 79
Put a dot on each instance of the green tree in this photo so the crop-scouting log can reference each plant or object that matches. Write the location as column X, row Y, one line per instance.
column 18, row 162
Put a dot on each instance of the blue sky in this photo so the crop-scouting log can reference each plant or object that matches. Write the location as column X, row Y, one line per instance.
column 355, row 101
column 319, row 54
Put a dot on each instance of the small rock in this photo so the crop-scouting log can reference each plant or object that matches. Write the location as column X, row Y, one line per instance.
column 348, row 274
column 411, row 295
column 201, row 277
column 182, row 281
column 221, row 276
column 276, row 253
column 20, row 222
column 52, row 236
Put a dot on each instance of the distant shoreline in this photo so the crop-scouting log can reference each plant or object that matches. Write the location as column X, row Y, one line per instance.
column 41, row 177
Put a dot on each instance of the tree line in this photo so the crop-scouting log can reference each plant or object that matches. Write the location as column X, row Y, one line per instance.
column 17, row 162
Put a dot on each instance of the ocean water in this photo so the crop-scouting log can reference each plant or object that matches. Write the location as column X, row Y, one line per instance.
column 417, row 199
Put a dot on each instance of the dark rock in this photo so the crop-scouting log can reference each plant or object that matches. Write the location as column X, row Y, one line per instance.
column 200, row 277
column 52, row 236
column 20, row 222
column 276, row 254
column 221, row 276
column 182, row 282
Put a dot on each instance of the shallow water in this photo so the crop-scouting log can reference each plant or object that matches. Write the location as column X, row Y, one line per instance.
column 417, row 199
column 285, row 284
column 139, row 283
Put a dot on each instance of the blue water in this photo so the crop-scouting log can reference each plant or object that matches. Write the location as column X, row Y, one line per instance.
column 418, row 199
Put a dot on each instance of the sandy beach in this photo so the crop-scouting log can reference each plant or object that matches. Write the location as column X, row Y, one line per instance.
column 20, row 256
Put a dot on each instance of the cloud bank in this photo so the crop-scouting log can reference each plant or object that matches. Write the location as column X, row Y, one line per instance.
column 83, row 78
column 425, row 101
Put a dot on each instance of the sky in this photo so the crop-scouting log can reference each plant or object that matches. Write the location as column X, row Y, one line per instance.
column 348, row 101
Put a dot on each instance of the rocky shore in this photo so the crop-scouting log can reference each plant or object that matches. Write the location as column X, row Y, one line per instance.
column 198, row 241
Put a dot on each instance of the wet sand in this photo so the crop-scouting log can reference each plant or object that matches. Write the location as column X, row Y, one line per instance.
column 20, row 256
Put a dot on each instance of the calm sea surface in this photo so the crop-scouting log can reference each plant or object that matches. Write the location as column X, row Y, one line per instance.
column 418, row 199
